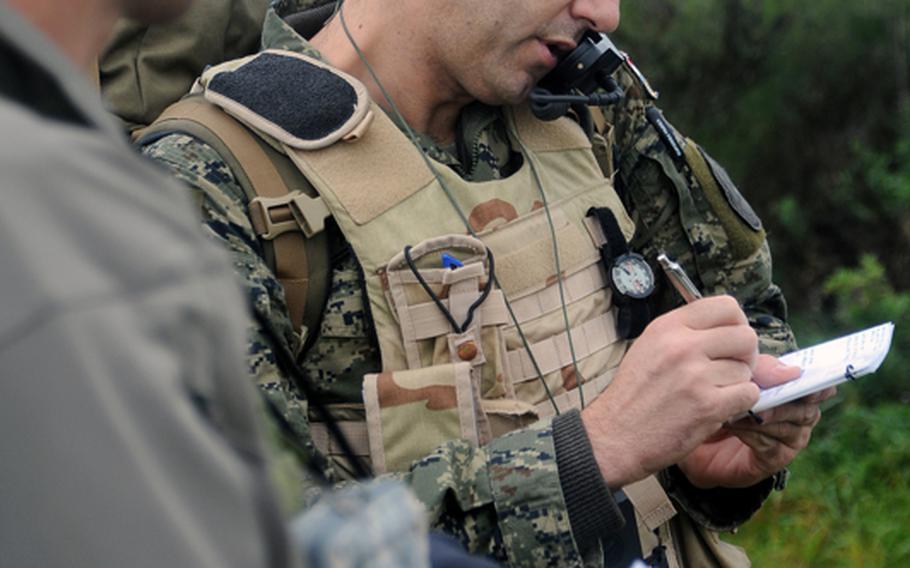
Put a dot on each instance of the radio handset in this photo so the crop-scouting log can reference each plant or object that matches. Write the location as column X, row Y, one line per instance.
column 583, row 77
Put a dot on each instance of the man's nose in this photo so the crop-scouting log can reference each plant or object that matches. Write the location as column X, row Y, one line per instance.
column 600, row 15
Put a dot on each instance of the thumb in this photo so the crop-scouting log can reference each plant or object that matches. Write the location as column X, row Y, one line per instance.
column 770, row 372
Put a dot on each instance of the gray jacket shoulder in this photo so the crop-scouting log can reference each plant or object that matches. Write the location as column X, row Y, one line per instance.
column 130, row 432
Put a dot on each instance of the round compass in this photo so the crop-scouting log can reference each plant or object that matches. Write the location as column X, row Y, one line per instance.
column 632, row 276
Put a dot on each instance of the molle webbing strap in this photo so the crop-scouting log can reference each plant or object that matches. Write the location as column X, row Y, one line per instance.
column 570, row 399
column 295, row 256
column 426, row 321
column 576, row 286
column 553, row 353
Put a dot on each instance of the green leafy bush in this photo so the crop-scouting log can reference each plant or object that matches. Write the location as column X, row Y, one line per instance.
column 847, row 503
column 863, row 296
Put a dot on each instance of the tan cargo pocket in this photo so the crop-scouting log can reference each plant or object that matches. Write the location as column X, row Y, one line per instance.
column 409, row 413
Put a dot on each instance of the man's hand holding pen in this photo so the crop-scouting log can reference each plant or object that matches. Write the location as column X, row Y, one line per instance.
column 689, row 372
column 745, row 452
column 680, row 382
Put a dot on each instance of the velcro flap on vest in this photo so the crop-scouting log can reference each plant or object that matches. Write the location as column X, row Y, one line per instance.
column 410, row 413
column 298, row 100
column 739, row 220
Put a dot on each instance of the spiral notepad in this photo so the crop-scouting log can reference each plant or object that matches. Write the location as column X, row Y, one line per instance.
column 831, row 363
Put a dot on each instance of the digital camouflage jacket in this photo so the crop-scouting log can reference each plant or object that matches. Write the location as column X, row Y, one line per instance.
column 504, row 498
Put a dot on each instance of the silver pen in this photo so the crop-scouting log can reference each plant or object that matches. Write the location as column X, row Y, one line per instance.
column 679, row 278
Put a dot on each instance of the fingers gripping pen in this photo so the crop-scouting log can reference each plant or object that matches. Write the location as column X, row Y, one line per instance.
column 688, row 291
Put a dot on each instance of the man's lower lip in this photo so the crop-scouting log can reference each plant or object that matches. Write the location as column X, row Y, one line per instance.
column 548, row 56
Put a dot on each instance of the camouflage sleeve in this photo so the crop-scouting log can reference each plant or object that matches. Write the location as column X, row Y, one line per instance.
column 504, row 499
column 713, row 232
column 720, row 241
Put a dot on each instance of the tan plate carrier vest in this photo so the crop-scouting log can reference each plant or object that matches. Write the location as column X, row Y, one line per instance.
column 439, row 383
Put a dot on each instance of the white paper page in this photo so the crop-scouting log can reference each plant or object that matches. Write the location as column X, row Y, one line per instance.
column 826, row 364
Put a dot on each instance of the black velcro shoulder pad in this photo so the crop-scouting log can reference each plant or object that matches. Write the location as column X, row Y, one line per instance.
column 298, row 100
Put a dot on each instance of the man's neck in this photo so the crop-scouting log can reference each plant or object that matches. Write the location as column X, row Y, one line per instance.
column 429, row 105
column 79, row 28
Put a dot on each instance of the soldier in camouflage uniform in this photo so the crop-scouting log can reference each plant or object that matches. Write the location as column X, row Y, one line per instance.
column 515, row 497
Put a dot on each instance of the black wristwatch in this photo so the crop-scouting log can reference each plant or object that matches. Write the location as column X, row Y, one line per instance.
column 630, row 276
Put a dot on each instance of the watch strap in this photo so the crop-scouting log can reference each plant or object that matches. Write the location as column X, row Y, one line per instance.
column 616, row 243
column 632, row 318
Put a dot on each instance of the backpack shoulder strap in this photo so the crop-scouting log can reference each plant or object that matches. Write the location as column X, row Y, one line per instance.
column 286, row 212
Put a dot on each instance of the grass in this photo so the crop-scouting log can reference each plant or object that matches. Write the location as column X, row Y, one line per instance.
column 848, row 500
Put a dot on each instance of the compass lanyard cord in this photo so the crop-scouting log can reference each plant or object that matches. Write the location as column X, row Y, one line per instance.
column 413, row 138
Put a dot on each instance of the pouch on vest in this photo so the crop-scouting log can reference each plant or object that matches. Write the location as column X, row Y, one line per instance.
column 443, row 311
column 410, row 413
column 448, row 312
